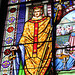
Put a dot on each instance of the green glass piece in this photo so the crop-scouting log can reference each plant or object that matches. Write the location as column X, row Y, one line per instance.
column 71, row 72
column 21, row 70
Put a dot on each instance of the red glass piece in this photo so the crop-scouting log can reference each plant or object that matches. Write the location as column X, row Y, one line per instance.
column 10, row 29
column 12, row 10
column 7, row 52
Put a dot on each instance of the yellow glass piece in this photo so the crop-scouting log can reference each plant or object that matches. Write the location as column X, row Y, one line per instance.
column 35, row 28
column 34, row 55
column 34, row 50
column 35, row 35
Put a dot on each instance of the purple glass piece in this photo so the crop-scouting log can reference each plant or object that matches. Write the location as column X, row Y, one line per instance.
column 5, row 64
column 14, row 1
column 11, row 19
column 22, row 0
column 9, row 40
column 20, row 27
column 21, row 20
column 18, row 38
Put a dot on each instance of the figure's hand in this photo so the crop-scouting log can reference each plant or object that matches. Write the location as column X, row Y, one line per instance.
column 13, row 48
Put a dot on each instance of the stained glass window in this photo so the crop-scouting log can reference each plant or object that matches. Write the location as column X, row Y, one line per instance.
column 39, row 38
column 27, row 41
column 65, row 37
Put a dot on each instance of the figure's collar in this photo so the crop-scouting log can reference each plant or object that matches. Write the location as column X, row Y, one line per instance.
column 37, row 20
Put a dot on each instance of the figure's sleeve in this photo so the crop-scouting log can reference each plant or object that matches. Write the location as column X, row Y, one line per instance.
column 22, row 40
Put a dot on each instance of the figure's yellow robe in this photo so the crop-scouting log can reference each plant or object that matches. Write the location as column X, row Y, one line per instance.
column 38, row 64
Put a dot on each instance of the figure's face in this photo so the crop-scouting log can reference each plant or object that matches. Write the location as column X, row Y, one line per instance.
column 59, row 7
column 37, row 12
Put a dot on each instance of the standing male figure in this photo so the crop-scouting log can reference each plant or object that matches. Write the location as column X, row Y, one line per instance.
column 35, row 38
